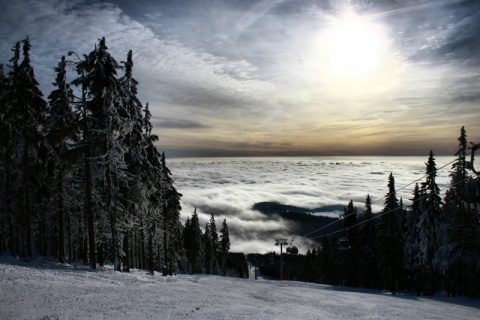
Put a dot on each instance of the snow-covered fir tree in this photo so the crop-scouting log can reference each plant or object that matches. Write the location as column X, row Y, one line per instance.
column 411, row 251
column 458, row 256
column 429, row 226
column 28, row 153
column 192, row 237
column 348, row 262
column 214, row 243
column 62, row 134
column 458, row 173
column 224, row 246
column 390, row 242
column 207, row 245
column 367, row 242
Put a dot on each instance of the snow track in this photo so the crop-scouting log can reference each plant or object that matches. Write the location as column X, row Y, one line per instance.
column 46, row 291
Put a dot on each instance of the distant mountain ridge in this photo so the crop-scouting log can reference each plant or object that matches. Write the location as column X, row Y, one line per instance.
column 275, row 207
column 302, row 220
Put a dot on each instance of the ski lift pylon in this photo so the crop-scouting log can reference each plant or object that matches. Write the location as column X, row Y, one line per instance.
column 471, row 190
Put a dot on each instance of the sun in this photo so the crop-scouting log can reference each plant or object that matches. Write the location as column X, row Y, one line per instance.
column 354, row 47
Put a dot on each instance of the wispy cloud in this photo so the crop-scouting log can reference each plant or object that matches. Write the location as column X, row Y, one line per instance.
column 233, row 67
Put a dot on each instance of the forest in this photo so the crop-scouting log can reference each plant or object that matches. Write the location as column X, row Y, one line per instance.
column 81, row 177
column 431, row 245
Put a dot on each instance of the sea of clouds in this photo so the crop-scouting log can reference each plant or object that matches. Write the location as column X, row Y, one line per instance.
column 229, row 187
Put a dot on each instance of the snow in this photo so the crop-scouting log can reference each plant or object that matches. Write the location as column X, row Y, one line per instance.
column 47, row 290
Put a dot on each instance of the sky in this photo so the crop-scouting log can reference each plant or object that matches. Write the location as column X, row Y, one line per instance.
column 278, row 77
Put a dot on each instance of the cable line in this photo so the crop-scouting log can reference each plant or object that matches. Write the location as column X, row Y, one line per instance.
column 405, row 186
column 381, row 214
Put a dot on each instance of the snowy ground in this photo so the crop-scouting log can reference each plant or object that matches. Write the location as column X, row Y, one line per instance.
column 45, row 290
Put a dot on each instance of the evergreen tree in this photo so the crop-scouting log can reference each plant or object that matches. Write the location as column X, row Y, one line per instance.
column 429, row 224
column 207, row 245
column 105, row 126
column 458, row 257
column 327, row 274
column 193, row 243
column 214, row 243
column 29, row 111
column 309, row 266
column 350, row 231
column 86, row 224
column 135, row 191
column 224, row 246
column 390, row 245
column 62, row 132
column 368, row 248
column 458, row 175
column 7, row 152
column 411, row 258
column 173, row 227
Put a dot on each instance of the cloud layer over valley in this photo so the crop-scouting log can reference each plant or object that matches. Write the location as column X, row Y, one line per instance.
column 230, row 187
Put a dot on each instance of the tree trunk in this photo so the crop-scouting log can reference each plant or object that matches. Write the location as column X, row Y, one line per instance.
column 61, row 215
column 151, row 264
column 89, row 209
column 69, row 232
column 142, row 246
column 113, row 222
column 126, row 249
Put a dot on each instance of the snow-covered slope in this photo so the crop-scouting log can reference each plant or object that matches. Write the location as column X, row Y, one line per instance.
column 45, row 290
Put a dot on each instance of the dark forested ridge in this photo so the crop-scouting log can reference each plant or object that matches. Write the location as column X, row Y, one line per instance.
column 81, row 178
column 303, row 221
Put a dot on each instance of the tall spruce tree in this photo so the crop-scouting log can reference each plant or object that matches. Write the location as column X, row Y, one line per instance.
column 29, row 111
column 349, row 265
column 133, row 188
column 193, row 243
column 458, row 257
column 6, row 154
column 429, row 225
column 458, row 175
column 214, row 243
column 367, row 243
column 411, row 258
column 207, row 245
column 63, row 131
column 327, row 272
column 173, row 227
column 390, row 245
column 86, row 223
column 224, row 246
column 108, row 127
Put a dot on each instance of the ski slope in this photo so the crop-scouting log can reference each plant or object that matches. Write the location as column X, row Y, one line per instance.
column 46, row 290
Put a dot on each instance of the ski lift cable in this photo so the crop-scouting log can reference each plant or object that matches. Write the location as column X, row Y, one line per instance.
column 405, row 186
column 380, row 214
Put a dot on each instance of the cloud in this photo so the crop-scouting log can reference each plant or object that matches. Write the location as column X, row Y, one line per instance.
column 177, row 123
column 230, row 187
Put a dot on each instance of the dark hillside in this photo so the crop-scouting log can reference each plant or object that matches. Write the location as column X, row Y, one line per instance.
column 303, row 220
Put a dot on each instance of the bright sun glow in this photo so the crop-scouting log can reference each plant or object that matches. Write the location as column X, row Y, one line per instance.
column 354, row 47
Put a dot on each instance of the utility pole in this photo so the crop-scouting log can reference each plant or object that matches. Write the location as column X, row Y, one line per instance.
column 281, row 243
